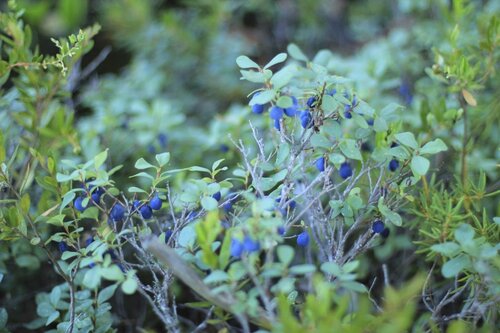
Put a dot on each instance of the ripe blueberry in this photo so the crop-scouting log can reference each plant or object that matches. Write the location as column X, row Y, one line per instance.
column 378, row 226
column 96, row 195
column 146, row 212
column 162, row 138
column 89, row 241
column 347, row 111
column 277, row 124
column 250, row 245
column 168, row 234
column 292, row 110
column 276, row 112
column 281, row 230
column 320, row 164
column 393, row 164
column 306, row 119
column 63, row 247
column 370, row 122
column 236, row 248
column 303, row 239
column 217, row 196
column 345, row 170
column 79, row 204
column 117, row 212
column 156, row 203
column 258, row 108
column 311, row 102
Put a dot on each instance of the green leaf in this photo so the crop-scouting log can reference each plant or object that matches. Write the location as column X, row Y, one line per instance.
column 407, row 139
column 355, row 286
column 448, row 249
column 282, row 77
column 100, row 159
column 419, row 165
column 263, row 97
column 216, row 276
column 283, row 153
column 142, row 164
column 350, row 266
column 129, row 286
column 53, row 316
column 433, row 147
column 392, row 216
column 112, row 273
column 55, row 296
column 27, row 261
column 464, row 234
column 245, row 62
column 68, row 197
column 454, row 266
column 106, row 293
column 133, row 189
column 380, row 125
column 296, row 53
column 285, row 254
column 268, row 183
column 209, row 203
column 187, row 237
column 92, row 278
column 276, row 60
column 350, row 149
column 4, row 317
column 302, row 269
column 284, row 102
column 163, row 159
column 253, row 76
column 331, row 268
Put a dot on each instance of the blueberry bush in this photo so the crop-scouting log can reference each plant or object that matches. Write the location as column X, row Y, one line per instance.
column 163, row 171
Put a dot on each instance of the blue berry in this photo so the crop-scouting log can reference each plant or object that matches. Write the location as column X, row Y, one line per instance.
column 258, row 108
column 281, row 230
column 311, row 101
column 378, row 226
column 79, row 204
column 277, row 124
column 63, row 247
column 151, row 149
column 292, row 204
column 217, row 196
column 89, row 241
column 96, row 195
column 385, row 233
column 292, row 110
column 227, row 206
column 224, row 148
column 162, row 138
column 155, row 203
column 117, row 212
column 393, row 164
column 332, row 92
column 236, row 248
column 345, row 170
column 146, row 212
column 320, row 164
column 276, row 113
column 306, row 119
column 168, row 234
column 303, row 239
column 370, row 122
column 249, row 245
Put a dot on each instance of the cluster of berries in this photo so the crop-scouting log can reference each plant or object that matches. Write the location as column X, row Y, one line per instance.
column 345, row 170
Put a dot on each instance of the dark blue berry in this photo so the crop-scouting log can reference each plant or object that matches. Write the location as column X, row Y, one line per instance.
column 117, row 212
column 303, row 239
column 320, row 164
column 378, row 226
column 393, row 164
column 156, row 203
column 146, row 212
column 217, row 196
column 224, row 148
column 347, row 115
column 258, row 108
column 306, row 119
column 89, row 241
column 405, row 92
column 292, row 110
column 162, row 138
column 249, row 245
column 311, row 102
column 96, row 195
column 385, row 233
column 394, row 144
column 345, row 170
column 151, row 149
column 281, row 230
column 168, row 234
column 79, row 204
column 236, row 248
column 332, row 92
column 277, row 124
column 63, row 247
column 276, row 112
column 292, row 204
column 370, row 122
